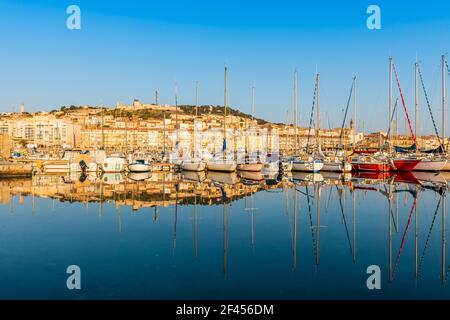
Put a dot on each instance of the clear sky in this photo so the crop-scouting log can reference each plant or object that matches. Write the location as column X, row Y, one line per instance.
column 128, row 49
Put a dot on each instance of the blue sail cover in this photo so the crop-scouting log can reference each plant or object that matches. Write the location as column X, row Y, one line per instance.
column 224, row 147
column 406, row 150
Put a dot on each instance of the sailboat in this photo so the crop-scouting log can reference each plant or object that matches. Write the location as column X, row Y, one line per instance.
column 250, row 164
column 195, row 163
column 222, row 163
column 429, row 162
column 336, row 162
column 308, row 163
column 382, row 162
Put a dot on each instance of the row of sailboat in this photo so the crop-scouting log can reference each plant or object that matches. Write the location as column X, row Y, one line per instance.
column 305, row 159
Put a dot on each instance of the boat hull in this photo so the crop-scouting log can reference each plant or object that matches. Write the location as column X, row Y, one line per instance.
column 193, row 166
column 446, row 167
column 254, row 167
column 340, row 166
column 405, row 164
column 371, row 167
column 431, row 165
column 139, row 167
column 307, row 166
column 222, row 166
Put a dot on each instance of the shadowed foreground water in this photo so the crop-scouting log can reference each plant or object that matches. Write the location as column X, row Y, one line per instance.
column 218, row 236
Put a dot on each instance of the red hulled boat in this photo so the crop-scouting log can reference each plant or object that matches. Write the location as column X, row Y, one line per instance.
column 405, row 164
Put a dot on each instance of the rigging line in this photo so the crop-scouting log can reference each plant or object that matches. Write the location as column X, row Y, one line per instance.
column 345, row 117
column 448, row 69
column 429, row 106
column 392, row 117
column 403, row 237
column 429, row 235
column 311, row 116
column 345, row 222
column 404, row 105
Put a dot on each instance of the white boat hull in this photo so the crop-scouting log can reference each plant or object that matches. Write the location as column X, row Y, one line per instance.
column 337, row 166
column 431, row 165
column 193, row 166
column 307, row 166
column 221, row 166
column 139, row 167
column 250, row 167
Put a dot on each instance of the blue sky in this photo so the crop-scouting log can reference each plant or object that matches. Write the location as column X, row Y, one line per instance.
column 128, row 49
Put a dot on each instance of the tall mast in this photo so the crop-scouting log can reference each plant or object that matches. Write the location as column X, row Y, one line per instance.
column 156, row 97
column 164, row 137
column 103, row 134
column 225, row 103
column 355, row 128
column 253, row 102
column 176, row 116
column 318, row 106
column 443, row 101
column 390, row 100
column 295, row 108
column 195, row 119
column 416, row 91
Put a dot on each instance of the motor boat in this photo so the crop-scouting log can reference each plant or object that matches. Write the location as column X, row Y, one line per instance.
column 113, row 163
column 140, row 165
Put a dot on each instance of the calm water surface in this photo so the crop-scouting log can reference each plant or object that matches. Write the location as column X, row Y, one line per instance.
column 189, row 236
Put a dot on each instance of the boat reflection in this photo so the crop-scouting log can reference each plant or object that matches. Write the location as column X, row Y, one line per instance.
column 325, row 205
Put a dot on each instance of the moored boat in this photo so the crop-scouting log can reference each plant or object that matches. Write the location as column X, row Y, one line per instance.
column 196, row 165
column 309, row 165
column 336, row 165
column 139, row 165
column 370, row 164
column 113, row 163
column 223, row 165
column 431, row 165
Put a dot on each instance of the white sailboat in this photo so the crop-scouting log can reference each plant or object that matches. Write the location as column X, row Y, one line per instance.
column 429, row 162
column 195, row 163
column 337, row 162
column 250, row 163
column 306, row 163
column 222, row 163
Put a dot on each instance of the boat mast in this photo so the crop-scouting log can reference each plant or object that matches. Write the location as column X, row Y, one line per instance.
column 295, row 108
column 354, row 113
column 443, row 102
column 390, row 101
column 318, row 108
column 195, row 119
column 416, row 110
column 176, row 117
column 225, row 102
